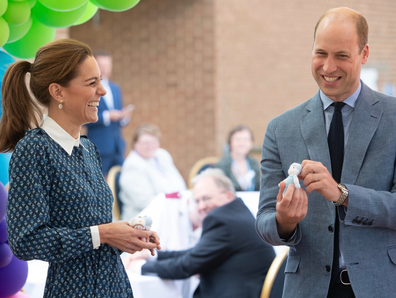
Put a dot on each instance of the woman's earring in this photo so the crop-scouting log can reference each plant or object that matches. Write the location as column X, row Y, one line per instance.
column 60, row 106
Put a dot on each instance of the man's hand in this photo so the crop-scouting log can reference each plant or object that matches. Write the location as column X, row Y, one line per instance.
column 317, row 177
column 290, row 209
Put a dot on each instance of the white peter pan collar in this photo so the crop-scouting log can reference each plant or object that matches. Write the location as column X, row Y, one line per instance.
column 59, row 135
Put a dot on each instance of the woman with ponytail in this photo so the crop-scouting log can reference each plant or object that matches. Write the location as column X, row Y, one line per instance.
column 59, row 206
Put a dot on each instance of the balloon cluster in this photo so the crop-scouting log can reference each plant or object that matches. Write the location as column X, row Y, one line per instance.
column 26, row 25
column 5, row 61
column 13, row 272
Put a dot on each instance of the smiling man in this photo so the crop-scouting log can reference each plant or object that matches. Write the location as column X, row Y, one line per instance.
column 340, row 225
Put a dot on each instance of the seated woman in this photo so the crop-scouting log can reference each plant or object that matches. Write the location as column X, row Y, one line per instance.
column 147, row 171
column 242, row 169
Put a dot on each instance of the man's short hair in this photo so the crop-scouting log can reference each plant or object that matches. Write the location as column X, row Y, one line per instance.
column 220, row 179
column 344, row 13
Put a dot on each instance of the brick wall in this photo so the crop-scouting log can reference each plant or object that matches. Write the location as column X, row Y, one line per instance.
column 198, row 68
column 164, row 61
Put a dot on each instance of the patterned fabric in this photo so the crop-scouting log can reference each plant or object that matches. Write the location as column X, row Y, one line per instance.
column 53, row 200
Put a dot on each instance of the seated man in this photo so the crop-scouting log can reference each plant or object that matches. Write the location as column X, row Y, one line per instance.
column 230, row 258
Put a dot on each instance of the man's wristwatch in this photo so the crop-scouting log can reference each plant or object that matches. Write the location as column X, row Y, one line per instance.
column 344, row 195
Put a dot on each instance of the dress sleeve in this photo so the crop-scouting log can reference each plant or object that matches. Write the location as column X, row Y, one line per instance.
column 30, row 232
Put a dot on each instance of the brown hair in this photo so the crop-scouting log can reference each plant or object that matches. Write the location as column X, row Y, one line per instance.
column 145, row 128
column 238, row 129
column 345, row 13
column 56, row 62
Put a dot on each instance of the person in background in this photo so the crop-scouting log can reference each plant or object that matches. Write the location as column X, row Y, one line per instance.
column 147, row 171
column 237, row 164
column 59, row 206
column 106, row 132
column 230, row 258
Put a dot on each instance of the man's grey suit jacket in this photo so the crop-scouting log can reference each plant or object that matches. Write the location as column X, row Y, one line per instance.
column 368, row 225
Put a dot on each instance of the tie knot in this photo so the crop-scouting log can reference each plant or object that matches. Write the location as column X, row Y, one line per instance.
column 338, row 106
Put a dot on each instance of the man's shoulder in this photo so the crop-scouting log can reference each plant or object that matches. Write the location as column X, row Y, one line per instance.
column 298, row 111
column 232, row 210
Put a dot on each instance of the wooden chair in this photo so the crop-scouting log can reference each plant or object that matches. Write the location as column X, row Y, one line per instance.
column 199, row 166
column 112, row 179
column 273, row 272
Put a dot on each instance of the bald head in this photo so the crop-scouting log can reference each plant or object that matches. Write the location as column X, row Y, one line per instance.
column 345, row 14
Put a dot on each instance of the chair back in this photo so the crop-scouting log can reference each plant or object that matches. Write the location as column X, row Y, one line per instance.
column 113, row 178
column 273, row 283
column 199, row 166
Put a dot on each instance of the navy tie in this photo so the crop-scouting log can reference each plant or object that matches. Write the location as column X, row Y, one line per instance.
column 336, row 147
column 336, row 141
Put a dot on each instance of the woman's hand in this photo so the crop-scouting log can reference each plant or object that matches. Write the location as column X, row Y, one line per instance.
column 124, row 237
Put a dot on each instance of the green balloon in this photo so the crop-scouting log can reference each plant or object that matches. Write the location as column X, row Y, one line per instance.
column 27, row 46
column 18, row 31
column 4, row 31
column 3, row 6
column 88, row 14
column 17, row 13
column 63, row 5
column 97, row 4
column 31, row 2
column 57, row 19
column 114, row 5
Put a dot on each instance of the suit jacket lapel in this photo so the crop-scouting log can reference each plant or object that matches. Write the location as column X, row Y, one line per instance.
column 365, row 121
column 314, row 132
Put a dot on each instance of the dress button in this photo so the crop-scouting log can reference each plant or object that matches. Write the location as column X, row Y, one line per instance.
column 331, row 229
column 328, row 268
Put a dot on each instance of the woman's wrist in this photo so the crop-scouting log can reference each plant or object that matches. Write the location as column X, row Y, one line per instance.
column 103, row 232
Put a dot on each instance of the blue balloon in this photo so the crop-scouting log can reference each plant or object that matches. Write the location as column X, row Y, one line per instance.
column 3, row 201
column 5, row 255
column 5, row 61
column 13, row 277
column 4, row 162
column 3, row 231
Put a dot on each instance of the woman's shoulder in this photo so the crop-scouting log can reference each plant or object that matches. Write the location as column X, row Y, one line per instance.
column 254, row 164
column 33, row 138
column 87, row 143
column 224, row 162
column 34, row 145
column 163, row 154
column 134, row 160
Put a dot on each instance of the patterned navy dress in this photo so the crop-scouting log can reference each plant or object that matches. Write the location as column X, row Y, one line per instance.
column 53, row 200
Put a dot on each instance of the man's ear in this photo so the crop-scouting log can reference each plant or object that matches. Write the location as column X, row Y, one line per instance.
column 56, row 91
column 230, row 195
